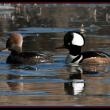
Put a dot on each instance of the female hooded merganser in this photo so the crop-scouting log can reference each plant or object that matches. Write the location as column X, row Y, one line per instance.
column 73, row 41
column 14, row 44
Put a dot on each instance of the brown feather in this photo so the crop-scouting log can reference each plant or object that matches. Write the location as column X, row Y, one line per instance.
column 96, row 60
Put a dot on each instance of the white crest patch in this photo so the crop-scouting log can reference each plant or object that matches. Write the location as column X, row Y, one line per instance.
column 77, row 39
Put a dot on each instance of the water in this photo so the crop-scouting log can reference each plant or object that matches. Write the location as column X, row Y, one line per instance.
column 53, row 84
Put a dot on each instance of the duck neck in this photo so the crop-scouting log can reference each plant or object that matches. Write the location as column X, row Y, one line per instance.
column 74, row 55
column 75, row 50
column 16, row 51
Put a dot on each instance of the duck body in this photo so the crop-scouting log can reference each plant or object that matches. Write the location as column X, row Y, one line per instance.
column 95, row 57
column 89, row 57
column 17, row 56
column 27, row 58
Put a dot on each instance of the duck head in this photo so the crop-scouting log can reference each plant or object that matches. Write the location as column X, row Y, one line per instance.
column 14, row 42
column 73, row 41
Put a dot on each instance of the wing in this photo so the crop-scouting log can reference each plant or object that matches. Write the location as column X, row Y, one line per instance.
column 89, row 54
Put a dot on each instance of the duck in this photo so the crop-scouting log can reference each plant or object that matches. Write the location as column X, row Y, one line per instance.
column 74, row 41
column 17, row 56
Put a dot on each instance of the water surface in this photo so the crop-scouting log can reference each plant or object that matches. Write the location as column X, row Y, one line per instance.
column 54, row 84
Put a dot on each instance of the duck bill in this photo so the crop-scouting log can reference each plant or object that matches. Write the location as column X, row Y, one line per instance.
column 4, row 49
column 60, row 47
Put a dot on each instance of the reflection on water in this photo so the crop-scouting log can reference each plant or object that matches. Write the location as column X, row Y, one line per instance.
column 63, row 87
column 76, row 84
column 55, row 83
column 15, row 86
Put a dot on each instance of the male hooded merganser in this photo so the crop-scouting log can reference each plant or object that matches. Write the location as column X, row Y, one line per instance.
column 14, row 44
column 73, row 41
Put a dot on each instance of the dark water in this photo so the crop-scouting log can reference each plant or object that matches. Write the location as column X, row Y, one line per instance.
column 53, row 84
